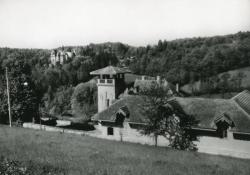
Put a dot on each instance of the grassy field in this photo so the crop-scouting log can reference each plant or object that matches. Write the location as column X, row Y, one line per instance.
column 72, row 154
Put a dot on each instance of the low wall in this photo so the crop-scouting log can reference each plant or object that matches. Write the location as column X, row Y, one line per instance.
column 128, row 134
column 120, row 134
column 225, row 146
column 210, row 145
column 52, row 129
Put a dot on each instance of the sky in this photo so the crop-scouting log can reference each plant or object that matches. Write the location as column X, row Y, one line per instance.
column 53, row 23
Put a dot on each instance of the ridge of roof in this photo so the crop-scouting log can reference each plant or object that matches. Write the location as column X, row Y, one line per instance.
column 241, row 93
column 242, row 101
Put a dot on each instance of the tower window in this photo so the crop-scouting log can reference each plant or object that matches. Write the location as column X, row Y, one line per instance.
column 110, row 131
column 107, row 101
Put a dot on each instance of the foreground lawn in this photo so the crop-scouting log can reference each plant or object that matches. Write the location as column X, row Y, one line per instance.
column 72, row 154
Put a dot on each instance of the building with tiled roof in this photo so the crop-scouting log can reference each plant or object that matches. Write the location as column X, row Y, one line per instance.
column 223, row 125
column 110, row 84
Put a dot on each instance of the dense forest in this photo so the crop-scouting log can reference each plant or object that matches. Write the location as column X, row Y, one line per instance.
column 192, row 59
column 52, row 89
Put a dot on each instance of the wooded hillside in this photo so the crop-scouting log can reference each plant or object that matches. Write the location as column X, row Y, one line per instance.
column 180, row 61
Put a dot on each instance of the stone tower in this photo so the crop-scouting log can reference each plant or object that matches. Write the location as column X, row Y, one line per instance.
column 110, row 84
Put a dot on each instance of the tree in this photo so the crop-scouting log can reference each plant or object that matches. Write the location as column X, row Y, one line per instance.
column 237, row 80
column 224, row 83
column 59, row 103
column 163, row 119
column 83, row 101
column 22, row 98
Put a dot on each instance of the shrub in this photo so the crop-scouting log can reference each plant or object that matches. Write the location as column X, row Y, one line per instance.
column 83, row 101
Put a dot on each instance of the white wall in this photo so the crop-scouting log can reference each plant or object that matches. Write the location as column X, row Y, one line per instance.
column 211, row 145
column 128, row 134
column 106, row 91
column 225, row 146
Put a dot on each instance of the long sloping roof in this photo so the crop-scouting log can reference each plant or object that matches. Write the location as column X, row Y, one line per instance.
column 205, row 110
column 109, row 70
column 243, row 100
column 132, row 102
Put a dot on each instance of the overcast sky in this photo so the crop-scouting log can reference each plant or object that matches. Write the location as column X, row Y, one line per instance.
column 53, row 23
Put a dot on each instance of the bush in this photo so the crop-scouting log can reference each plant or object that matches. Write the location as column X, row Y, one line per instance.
column 10, row 167
column 14, row 167
column 84, row 100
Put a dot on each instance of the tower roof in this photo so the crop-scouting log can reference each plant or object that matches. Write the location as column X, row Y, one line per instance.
column 110, row 70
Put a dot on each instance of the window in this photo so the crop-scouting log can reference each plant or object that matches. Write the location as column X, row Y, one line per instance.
column 110, row 131
column 107, row 103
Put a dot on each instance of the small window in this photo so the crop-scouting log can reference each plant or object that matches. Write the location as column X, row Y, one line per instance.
column 110, row 131
column 107, row 103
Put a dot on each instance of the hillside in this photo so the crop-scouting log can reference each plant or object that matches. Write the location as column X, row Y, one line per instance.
column 236, row 80
column 45, row 152
column 180, row 61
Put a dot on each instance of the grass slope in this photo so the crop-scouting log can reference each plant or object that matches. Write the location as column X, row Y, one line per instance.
column 72, row 154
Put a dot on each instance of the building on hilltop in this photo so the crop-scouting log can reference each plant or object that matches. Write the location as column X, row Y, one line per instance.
column 60, row 56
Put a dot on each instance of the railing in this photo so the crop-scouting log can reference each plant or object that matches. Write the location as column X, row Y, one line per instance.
column 109, row 81
column 101, row 81
column 105, row 81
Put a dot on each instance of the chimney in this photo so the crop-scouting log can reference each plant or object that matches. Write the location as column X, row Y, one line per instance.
column 177, row 87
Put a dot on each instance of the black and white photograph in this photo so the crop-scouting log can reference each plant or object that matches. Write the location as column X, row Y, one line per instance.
column 124, row 87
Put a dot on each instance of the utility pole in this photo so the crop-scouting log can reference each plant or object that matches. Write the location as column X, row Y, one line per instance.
column 8, row 94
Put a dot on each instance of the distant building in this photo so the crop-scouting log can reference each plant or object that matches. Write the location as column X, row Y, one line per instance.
column 145, row 82
column 60, row 56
